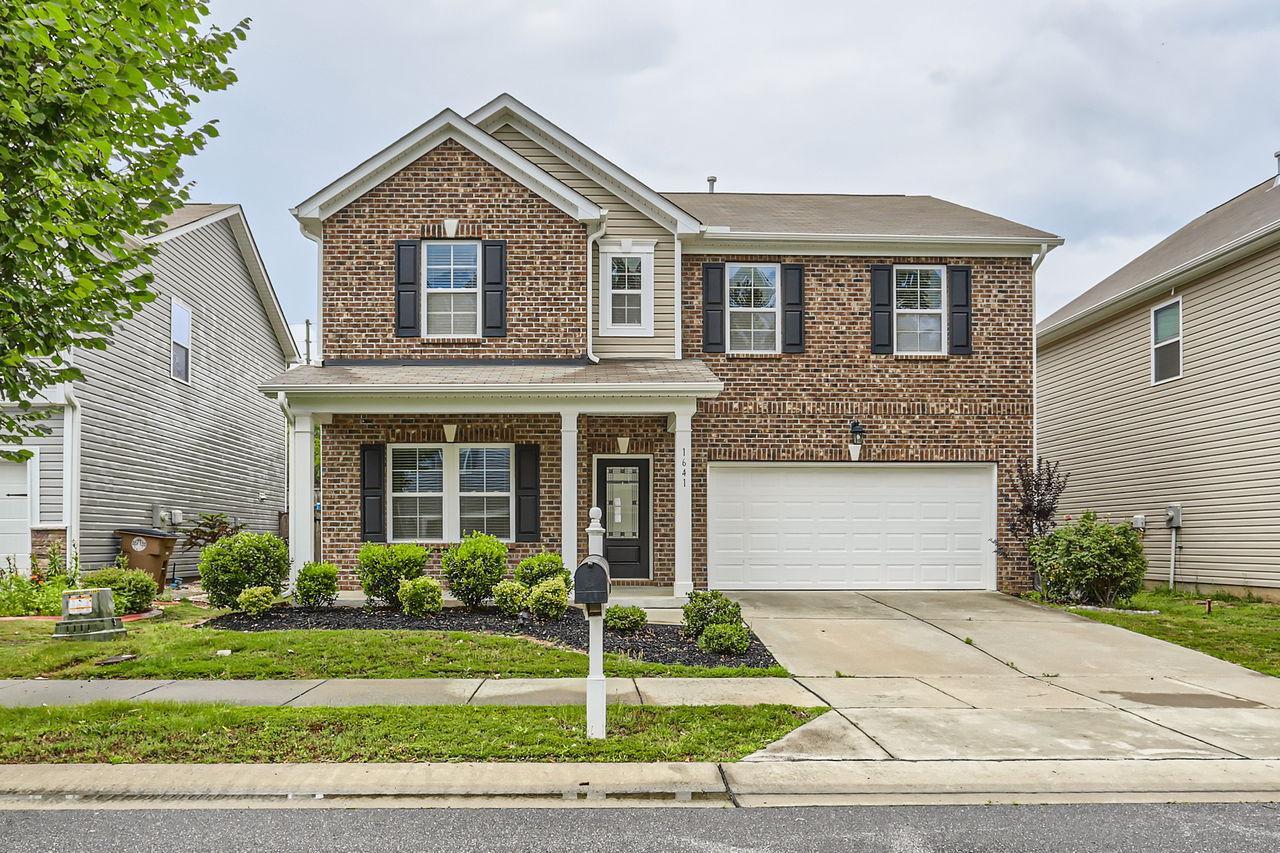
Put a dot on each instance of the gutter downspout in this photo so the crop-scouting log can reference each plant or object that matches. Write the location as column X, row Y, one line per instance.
column 1045, row 249
column 591, row 288
column 318, row 239
column 71, row 468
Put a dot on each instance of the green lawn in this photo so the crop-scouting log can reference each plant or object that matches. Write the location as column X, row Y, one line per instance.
column 1239, row 630
column 168, row 647
column 123, row 732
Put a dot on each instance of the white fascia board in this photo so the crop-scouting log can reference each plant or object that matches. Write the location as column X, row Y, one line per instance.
column 869, row 245
column 565, row 389
column 661, row 403
column 445, row 125
column 195, row 224
column 505, row 109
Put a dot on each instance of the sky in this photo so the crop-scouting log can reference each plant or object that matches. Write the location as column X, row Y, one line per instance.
column 1111, row 124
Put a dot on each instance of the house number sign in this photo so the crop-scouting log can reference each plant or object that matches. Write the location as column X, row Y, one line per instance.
column 138, row 543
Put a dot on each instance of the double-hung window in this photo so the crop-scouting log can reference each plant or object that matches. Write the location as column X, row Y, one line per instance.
column 452, row 289
column 179, row 341
column 626, row 288
column 1166, row 341
column 919, row 321
column 442, row 492
column 753, row 307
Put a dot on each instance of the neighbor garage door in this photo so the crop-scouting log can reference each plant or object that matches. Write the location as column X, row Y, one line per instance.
column 15, row 514
column 859, row 526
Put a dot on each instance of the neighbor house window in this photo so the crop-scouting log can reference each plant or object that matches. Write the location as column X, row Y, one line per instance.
column 1166, row 341
column 452, row 289
column 179, row 341
column 626, row 288
column 442, row 492
column 753, row 307
column 917, row 310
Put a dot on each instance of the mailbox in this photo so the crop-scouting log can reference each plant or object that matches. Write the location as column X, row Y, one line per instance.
column 591, row 581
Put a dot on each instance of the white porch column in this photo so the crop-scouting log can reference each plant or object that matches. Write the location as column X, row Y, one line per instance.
column 682, row 426
column 301, row 499
column 569, row 487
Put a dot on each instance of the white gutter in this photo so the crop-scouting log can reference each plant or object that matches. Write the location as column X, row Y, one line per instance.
column 713, row 235
column 591, row 242
column 540, row 389
column 1045, row 248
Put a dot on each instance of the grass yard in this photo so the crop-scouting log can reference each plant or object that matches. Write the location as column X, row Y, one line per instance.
column 123, row 732
column 168, row 647
column 1240, row 630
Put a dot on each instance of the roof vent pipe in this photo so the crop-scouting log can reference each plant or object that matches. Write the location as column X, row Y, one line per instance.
column 711, row 179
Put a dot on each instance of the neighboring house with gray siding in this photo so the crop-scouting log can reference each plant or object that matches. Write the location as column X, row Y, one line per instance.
column 1161, row 385
column 167, row 421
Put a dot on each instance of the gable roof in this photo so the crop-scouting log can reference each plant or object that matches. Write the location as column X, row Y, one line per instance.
column 446, row 124
column 191, row 217
column 1239, row 227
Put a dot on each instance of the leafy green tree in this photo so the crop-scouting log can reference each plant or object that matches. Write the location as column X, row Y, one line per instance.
column 95, row 117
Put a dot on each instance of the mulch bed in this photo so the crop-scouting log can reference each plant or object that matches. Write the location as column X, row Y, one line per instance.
column 665, row 644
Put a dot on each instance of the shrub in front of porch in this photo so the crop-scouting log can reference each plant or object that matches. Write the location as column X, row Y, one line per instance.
column 725, row 639
column 317, row 585
column 421, row 597
column 233, row 564
column 1090, row 561
column 533, row 570
column 709, row 607
column 510, row 597
column 549, row 599
column 473, row 567
column 257, row 600
column 381, row 568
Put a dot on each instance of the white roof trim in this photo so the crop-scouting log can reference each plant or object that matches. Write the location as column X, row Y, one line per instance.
column 445, row 125
column 539, row 389
column 505, row 109
column 207, row 219
column 783, row 236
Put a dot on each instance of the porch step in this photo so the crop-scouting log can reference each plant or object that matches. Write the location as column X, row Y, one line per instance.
column 648, row 597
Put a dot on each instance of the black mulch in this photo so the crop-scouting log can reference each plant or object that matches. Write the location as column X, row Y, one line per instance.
column 654, row 643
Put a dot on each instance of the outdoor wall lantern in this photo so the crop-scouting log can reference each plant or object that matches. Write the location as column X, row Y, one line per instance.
column 450, row 432
column 857, row 432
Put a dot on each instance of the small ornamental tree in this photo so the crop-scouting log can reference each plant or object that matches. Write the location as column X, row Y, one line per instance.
column 1039, row 488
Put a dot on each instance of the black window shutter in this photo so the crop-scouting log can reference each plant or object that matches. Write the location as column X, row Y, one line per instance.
column 408, row 289
column 373, row 493
column 960, row 299
column 713, row 299
column 881, row 308
column 792, row 308
column 528, row 492
column 494, row 292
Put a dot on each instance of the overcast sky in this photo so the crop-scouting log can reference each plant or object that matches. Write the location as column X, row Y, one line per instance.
column 1110, row 123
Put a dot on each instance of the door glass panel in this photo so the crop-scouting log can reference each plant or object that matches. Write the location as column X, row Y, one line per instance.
column 622, row 502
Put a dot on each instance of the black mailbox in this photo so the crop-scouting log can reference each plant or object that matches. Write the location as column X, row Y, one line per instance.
column 591, row 581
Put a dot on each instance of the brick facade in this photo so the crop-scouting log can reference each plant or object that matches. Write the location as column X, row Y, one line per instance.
column 42, row 540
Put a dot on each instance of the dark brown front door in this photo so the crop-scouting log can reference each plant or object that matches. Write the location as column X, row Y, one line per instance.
column 622, row 493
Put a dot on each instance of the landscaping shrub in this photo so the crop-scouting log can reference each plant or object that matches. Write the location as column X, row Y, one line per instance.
column 549, row 599
column 131, row 590
column 1090, row 561
column 532, row 571
column 474, row 566
column 709, row 607
column 316, row 586
column 22, row 596
column 625, row 620
column 256, row 600
column 510, row 597
column 725, row 639
column 381, row 568
column 421, row 596
column 235, row 563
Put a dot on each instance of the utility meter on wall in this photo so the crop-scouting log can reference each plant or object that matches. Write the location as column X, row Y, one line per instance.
column 1173, row 515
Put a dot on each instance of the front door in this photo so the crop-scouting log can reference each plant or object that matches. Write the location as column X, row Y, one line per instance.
column 622, row 493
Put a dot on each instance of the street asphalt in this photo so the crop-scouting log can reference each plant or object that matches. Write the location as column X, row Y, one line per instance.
column 1239, row 828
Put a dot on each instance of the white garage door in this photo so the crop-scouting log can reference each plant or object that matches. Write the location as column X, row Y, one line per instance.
column 15, row 514
column 861, row 526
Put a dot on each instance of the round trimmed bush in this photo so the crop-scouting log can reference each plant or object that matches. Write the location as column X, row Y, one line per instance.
column 549, row 599
column 381, row 568
column 1090, row 561
column 625, row 620
column 725, row 639
column 532, row 571
column 316, row 586
column 131, row 590
column 473, row 567
column 256, row 600
column 709, row 607
column 234, row 563
column 510, row 597
column 421, row 597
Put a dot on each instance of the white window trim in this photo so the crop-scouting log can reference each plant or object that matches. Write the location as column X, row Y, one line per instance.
column 729, row 311
column 451, row 515
column 478, row 290
column 626, row 248
column 1177, row 339
column 941, row 311
column 174, row 303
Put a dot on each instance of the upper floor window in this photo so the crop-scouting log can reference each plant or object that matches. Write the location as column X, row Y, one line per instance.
column 452, row 289
column 1166, row 341
column 442, row 492
column 918, row 318
column 179, row 341
column 626, row 288
column 753, row 307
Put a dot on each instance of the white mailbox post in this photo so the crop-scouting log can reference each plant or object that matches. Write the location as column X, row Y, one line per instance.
column 591, row 589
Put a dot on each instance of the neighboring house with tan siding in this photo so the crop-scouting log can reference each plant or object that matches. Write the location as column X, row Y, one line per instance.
column 1161, row 386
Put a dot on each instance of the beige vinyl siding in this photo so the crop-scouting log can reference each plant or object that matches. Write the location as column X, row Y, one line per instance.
column 624, row 221
column 1209, row 441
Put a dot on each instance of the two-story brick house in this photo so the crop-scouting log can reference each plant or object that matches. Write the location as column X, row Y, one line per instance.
column 513, row 329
